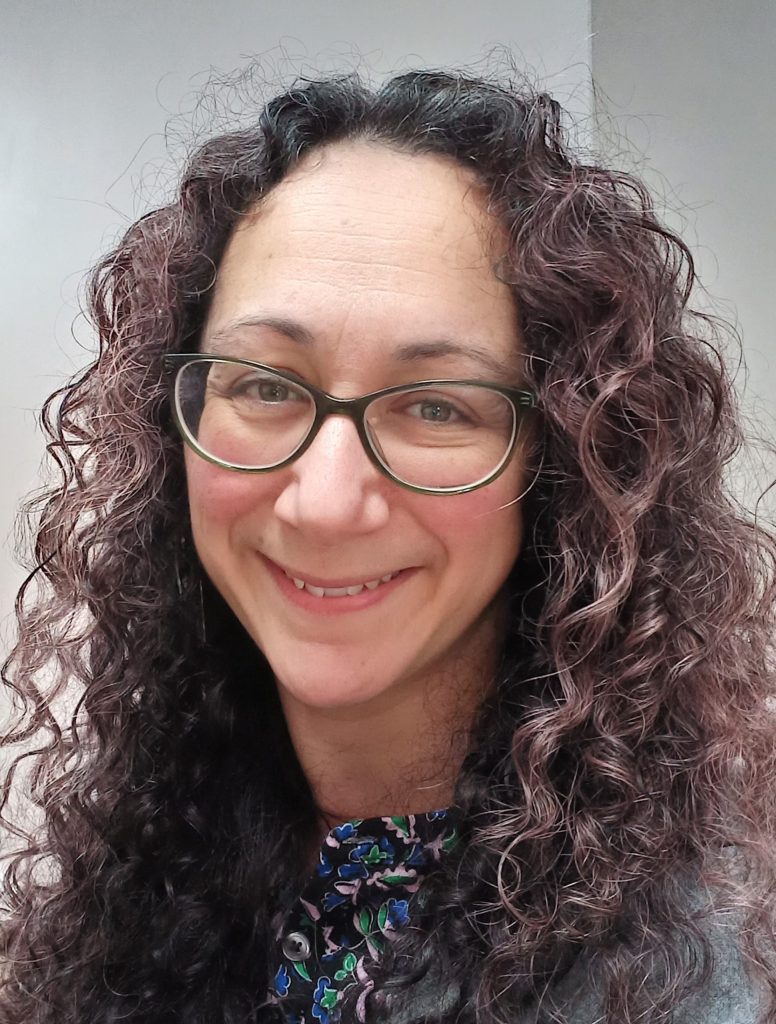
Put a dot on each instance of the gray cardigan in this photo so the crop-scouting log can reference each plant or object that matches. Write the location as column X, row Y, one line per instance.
column 731, row 997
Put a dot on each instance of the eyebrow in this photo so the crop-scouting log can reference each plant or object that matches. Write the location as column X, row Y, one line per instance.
column 229, row 341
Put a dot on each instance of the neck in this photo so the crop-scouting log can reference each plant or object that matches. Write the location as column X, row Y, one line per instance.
column 399, row 753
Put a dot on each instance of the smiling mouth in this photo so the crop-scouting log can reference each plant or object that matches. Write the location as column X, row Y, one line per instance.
column 348, row 591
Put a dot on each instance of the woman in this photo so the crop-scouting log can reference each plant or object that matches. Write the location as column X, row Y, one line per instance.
column 422, row 661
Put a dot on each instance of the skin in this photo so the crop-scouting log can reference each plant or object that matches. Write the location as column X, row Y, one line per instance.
column 369, row 250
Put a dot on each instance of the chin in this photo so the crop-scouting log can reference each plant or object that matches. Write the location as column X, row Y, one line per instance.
column 327, row 694
column 337, row 685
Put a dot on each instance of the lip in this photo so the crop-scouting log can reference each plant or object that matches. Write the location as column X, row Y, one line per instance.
column 333, row 605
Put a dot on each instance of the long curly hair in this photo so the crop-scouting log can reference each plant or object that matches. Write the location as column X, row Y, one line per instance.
column 627, row 751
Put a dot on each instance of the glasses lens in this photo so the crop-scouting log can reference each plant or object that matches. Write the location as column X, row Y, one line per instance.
column 451, row 436
column 247, row 417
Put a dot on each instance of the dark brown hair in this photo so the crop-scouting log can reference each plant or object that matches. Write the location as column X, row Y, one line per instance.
column 627, row 755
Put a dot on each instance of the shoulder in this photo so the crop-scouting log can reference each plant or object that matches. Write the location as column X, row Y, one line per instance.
column 730, row 996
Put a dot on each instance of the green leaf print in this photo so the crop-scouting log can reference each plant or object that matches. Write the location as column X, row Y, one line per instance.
column 401, row 824
column 349, row 963
column 365, row 921
column 301, row 970
column 375, row 856
column 397, row 879
column 329, row 1000
column 348, row 967
column 451, row 841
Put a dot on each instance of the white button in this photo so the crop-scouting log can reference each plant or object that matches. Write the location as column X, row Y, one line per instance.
column 296, row 946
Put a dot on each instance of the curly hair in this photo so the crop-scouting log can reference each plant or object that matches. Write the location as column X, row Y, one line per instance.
column 628, row 746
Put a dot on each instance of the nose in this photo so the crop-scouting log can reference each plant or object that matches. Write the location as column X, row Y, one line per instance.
column 333, row 490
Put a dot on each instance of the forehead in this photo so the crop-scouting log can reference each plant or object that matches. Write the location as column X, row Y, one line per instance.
column 365, row 238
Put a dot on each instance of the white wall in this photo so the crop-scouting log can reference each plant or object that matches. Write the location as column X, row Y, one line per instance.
column 692, row 84
column 86, row 89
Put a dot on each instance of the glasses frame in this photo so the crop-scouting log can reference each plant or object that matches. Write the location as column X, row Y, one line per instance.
column 354, row 408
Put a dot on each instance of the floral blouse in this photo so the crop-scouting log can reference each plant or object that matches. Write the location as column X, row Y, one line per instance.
column 360, row 894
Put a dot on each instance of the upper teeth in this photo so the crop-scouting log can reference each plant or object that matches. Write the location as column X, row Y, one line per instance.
column 340, row 591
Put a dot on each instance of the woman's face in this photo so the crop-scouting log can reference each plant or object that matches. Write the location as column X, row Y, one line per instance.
column 363, row 269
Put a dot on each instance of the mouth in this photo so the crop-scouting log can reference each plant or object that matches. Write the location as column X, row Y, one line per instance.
column 332, row 595
column 348, row 590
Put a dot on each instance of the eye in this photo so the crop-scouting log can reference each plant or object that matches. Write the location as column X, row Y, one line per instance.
column 264, row 389
column 434, row 410
column 272, row 391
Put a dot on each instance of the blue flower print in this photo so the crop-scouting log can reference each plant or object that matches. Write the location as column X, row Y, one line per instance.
column 398, row 912
column 393, row 914
column 324, row 1000
column 333, row 899
column 351, row 871
column 361, row 894
column 416, row 856
column 387, row 852
column 436, row 815
column 360, row 850
column 345, row 831
column 320, row 988
column 282, row 981
column 325, row 866
column 367, row 855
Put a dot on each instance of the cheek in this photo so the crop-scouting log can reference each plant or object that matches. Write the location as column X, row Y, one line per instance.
column 220, row 497
column 480, row 530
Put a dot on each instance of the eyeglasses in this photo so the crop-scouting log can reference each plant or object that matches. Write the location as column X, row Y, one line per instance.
column 432, row 436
